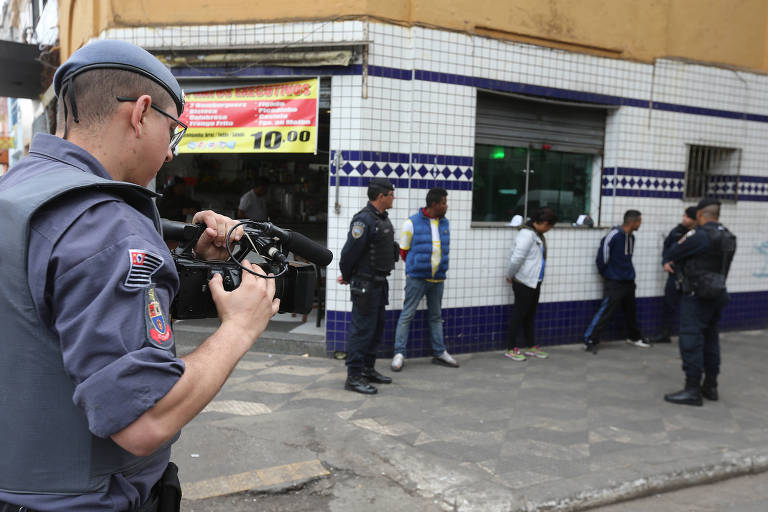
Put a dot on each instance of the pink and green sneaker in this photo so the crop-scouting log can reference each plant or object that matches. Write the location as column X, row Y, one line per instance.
column 515, row 355
column 535, row 351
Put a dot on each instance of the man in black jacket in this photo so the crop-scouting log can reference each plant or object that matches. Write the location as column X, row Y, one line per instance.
column 672, row 288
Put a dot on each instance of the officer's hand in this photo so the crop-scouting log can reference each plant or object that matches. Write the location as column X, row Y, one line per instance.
column 509, row 280
column 211, row 245
column 668, row 267
column 249, row 306
column 341, row 280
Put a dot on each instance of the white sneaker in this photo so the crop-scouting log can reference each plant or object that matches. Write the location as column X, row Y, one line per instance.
column 445, row 359
column 642, row 343
column 397, row 362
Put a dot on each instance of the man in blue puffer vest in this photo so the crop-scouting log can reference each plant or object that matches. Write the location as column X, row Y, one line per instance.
column 424, row 246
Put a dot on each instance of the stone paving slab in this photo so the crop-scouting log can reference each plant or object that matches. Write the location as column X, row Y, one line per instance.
column 563, row 433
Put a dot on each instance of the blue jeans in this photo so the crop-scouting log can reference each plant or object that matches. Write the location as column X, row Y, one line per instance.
column 415, row 289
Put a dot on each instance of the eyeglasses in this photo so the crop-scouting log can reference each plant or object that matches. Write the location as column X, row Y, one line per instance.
column 176, row 133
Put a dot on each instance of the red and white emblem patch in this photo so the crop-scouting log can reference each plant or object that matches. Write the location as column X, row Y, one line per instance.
column 158, row 330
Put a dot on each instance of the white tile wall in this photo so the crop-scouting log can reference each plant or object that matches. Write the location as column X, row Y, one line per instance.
column 414, row 116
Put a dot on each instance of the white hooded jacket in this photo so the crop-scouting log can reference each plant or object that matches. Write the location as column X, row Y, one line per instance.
column 527, row 257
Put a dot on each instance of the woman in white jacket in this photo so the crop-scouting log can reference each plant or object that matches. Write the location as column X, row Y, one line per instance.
column 526, row 272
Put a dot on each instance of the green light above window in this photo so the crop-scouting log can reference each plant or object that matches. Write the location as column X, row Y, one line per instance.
column 497, row 153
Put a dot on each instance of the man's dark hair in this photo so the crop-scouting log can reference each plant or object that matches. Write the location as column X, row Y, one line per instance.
column 632, row 216
column 95, row 94
column 374, row 189
column 545, row 214
column 436, row 195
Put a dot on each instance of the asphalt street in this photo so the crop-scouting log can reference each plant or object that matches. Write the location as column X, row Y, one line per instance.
column 566, row 433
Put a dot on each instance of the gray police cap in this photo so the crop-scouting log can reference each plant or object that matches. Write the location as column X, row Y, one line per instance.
column 110, row 54
column 381, row 183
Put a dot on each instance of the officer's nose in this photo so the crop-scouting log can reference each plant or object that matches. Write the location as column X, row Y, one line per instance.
column 169, row 155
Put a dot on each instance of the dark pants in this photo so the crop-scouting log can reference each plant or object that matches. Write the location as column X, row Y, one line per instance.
column 523, row 315
column 366, row 328
column 699, row 337
column 617, row 293
column 670, row 306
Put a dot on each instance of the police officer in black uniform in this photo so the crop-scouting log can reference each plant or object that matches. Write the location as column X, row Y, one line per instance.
column 672, row 287
column 704, row 257
column 368, row 256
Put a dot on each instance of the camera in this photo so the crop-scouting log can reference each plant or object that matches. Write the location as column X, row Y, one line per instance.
column 268, row 247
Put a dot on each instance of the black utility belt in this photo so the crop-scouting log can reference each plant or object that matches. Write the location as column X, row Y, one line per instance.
column 378, row 278
column 8, row 507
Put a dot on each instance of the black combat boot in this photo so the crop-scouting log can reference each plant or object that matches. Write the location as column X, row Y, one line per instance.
column 690, row 395
column 359, row 384
column 709, row 387
column 373, row 376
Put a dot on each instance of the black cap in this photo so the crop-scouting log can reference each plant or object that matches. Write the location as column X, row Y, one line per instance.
column 110, row 54
column 381, row 183
column 707, row 201
column 690, row 212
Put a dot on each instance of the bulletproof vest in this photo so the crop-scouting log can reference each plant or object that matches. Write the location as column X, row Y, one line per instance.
column 47, row 447
column 717, row 259
column 380, row 258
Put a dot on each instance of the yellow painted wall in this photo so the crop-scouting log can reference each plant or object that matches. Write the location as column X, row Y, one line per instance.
column 731, row 32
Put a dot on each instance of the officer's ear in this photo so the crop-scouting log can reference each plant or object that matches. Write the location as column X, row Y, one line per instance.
column 139, row 112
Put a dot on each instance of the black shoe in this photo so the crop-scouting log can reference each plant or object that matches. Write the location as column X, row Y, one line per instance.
column 373, row 376
column 359, row 384
column 687, row 396
column 591, row 346
column 660, row 338
column 710, row 393
column 709, row 387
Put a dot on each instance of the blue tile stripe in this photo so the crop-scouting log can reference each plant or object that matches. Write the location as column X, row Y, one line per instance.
column 633, row 182
column 417, row 170
column 483, row 328
column 464, row 80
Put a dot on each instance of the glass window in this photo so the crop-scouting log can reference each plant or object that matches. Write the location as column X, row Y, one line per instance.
column 512, row 181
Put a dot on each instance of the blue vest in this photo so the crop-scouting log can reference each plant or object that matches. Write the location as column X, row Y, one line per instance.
column 418, row 263
column 47, row 447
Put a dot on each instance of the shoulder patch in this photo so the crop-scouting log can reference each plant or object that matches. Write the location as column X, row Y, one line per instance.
column 158, row 329
column 143, row 264
column 358, row 228
column 686, row 236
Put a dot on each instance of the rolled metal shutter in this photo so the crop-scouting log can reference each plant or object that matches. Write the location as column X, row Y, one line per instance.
column 509, row 120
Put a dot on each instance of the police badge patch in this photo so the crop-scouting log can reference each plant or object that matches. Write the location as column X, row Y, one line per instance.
column 358, row 228
column 158, row 330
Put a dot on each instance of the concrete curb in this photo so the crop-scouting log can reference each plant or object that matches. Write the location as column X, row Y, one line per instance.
column 645, row 486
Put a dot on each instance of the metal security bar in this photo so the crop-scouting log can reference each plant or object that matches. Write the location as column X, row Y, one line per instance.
column 712, row 171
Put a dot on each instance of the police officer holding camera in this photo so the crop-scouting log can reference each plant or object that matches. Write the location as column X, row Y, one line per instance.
column 368, row 256
column 93, row 394
column 703, row 256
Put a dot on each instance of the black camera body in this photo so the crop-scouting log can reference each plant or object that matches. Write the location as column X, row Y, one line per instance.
column 295, row 282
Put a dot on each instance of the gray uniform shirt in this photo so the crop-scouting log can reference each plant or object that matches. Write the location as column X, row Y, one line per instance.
column 104, row 288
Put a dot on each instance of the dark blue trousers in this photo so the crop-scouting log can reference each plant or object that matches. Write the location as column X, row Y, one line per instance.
column 366, row 328
column 699, row 337
column 670, row 306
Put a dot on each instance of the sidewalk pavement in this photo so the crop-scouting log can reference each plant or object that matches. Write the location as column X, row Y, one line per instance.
column 565, row 433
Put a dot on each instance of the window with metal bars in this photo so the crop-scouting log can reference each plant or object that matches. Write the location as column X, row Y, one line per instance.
column 712, row 172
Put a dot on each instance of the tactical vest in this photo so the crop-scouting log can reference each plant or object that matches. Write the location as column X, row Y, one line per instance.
column 381, row 256
column 706, row 272
column 47, row 447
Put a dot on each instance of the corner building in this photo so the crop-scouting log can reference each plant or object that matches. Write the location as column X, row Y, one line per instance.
column 588, row 107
